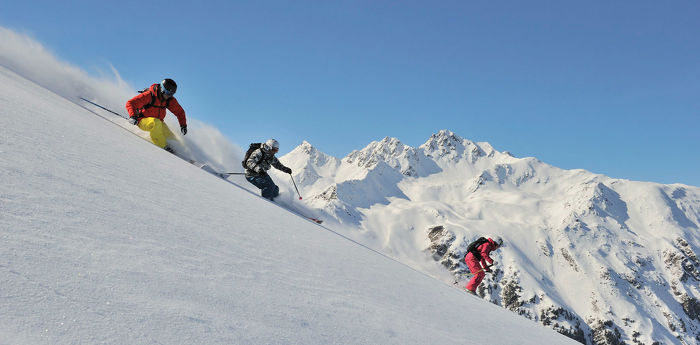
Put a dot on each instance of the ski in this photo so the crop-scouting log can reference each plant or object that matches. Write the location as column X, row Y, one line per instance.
column 315, row 220
column 292, row 210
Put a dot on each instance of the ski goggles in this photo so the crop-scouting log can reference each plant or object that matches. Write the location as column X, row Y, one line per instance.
column 166, row 91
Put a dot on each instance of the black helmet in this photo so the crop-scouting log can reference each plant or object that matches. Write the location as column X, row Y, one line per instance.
column 168, row 86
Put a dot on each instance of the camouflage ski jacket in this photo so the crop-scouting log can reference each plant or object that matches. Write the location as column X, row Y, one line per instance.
column 261, row 161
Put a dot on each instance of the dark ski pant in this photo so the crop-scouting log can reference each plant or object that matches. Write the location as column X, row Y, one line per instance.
column 269, row 189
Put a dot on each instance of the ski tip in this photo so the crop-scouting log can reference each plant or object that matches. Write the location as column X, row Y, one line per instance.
column 315, row 220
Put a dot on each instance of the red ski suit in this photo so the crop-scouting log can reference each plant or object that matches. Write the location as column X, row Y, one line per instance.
column 157, row 109
column 477, row 266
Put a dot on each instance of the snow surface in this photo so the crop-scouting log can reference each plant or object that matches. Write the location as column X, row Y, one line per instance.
column 107, row 239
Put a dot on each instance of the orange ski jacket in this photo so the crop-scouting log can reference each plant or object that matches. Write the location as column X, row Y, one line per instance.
column 150, row 104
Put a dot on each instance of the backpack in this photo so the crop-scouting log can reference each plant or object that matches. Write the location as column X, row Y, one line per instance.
column 251, row 148
column 153, row 100
column 474, row 248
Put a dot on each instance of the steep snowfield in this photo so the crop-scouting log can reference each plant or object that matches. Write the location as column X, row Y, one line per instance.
column 107, row 239
column 603, row 260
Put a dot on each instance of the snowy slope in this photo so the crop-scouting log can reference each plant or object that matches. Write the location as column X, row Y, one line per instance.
column 603, row 260
column 108, row 239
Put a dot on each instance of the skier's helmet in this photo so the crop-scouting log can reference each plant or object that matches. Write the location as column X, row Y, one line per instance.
column 168, row 86
column 272, row 145
column 498, row 240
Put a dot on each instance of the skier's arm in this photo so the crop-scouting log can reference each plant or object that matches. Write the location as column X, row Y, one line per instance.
column 485, row 258
column 483, row 264
column 177, row 110
column 279, row 166
column 137, row 102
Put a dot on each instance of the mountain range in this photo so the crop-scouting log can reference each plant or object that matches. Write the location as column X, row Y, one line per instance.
column 599, row 259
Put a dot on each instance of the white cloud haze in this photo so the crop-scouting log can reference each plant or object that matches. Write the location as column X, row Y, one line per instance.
column 24, row 55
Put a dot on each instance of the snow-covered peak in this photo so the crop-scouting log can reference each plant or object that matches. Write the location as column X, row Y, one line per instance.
column 449, row 147
column 405, row 159
column 443, row 139
column 383, row 150
column 309, row 165
column 307, row 153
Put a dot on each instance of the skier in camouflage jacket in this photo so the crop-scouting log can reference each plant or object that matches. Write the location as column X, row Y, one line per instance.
column 257, row 165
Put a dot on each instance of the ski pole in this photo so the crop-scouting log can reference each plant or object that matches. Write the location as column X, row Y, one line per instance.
column 97, row 105
column 470, row 273
column 295, row 185
column 233, row 173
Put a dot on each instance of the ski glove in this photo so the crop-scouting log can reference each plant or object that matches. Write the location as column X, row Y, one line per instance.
column 287, row 170
column 183, row 129
column 133, row 120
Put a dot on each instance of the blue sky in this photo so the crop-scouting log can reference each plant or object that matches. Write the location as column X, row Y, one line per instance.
column 610, row 87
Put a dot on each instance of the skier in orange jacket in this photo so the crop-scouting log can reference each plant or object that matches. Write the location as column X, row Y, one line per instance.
column 147, row 110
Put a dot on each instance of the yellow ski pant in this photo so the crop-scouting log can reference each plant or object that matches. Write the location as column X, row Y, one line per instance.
column 160, row 132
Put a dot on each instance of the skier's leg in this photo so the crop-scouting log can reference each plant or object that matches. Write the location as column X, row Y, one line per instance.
column 474, row 267
column 256, row 181
column 155, row 128
column 475, row 281
column 269, row 189
column 274, row 189
column 146, row 124
column 160, row 133
column 167, row 133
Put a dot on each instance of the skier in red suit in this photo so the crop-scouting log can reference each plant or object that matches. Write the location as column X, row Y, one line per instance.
column 480, row 262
